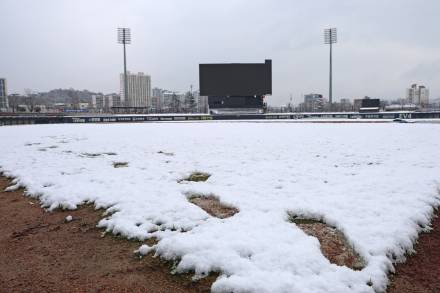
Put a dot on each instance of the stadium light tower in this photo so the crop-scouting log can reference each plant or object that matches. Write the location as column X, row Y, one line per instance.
column 330, row 38
column 124, row 38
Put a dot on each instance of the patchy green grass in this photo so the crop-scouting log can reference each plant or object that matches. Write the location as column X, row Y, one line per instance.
column 91, row 155
column 197, row 177
column 120, row 164
column 302, row 220
column 165, row 153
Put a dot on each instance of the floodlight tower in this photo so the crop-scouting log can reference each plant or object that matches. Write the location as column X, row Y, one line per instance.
column 124, row 38
column 330, row 38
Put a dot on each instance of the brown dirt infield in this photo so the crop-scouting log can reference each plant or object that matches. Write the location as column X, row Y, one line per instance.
column 421, row 271
column 333, row 245
column 213, row 206
column 40, row 252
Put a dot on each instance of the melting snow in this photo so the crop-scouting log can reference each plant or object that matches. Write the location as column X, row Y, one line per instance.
column 377, row 183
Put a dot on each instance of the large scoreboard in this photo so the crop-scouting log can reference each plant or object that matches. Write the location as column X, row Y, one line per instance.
column 236, row 79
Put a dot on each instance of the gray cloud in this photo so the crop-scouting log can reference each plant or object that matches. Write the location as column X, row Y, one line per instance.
column 383, row 45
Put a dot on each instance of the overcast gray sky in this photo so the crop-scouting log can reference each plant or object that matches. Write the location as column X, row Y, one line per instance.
column 384, row 45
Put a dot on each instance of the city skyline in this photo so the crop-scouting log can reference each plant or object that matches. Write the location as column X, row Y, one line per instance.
column 382, row 47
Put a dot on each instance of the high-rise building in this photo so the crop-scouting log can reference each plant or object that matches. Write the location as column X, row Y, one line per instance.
column 167, row 99
column 139, row 90
column 156, row 103
column 172, row 101
column 105, row 102
column 98, row 102
column 157, row 92
column 345, row 105
column 4, row 105
column 157, row 99
column 313, row 103
column 418, row 95
column 202, row 102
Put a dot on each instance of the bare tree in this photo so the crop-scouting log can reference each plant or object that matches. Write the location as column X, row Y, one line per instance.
column 14, row 101
column 190, row 102
column 175, row 103
column 74, row 98
column 30, row 99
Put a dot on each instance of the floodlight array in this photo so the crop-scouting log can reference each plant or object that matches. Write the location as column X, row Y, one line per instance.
column 124, row 35
column 330, row 36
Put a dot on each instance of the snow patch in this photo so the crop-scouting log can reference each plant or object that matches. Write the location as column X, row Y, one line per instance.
column 380, row 196
column 144, row 249
column 11, row 188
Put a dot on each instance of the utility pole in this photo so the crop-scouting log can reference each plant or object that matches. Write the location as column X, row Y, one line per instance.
column 124, row 38
column 191, row 100
column 330, row 38
column 290, row 103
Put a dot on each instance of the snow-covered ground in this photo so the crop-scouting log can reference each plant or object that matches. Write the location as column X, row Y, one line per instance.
column 377, row 183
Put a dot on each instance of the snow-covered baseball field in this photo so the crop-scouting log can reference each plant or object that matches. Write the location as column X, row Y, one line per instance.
column 377, row 183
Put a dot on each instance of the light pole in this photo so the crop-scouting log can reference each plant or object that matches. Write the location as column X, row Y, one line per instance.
column 330, row 38
column 124, row 38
